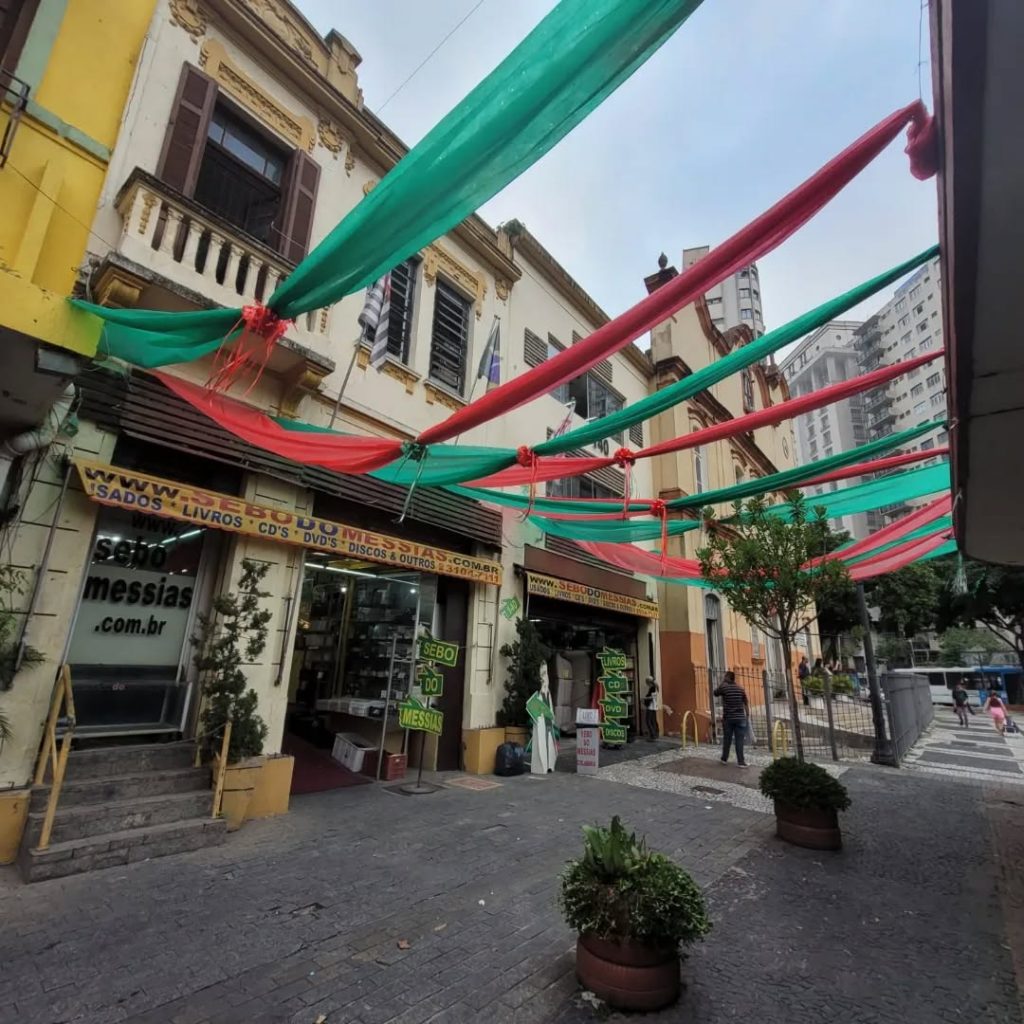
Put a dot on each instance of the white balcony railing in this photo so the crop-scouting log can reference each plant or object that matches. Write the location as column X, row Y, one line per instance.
column 188, row 245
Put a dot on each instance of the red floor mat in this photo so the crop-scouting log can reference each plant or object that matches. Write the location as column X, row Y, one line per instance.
column 315, row 770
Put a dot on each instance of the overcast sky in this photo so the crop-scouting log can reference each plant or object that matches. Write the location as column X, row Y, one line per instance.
column 747, row 99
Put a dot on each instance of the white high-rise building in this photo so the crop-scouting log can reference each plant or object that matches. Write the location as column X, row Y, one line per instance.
column 828, row 356
column 908, row 325
column 737, row 300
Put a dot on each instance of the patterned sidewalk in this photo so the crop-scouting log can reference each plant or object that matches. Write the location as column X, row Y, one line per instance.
column 977, row 752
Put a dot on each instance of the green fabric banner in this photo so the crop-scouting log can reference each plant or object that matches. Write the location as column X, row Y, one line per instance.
column 565, row 68
column 785, row 479
column 579, row 54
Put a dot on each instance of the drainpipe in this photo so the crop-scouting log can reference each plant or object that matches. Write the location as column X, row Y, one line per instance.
column 36, row 440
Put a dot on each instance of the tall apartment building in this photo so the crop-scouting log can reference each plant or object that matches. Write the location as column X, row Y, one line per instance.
column 908, row 325
column 826, row 357
column 737, row 300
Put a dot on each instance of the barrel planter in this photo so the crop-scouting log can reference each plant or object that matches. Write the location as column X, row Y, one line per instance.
column 814, row 828
column 627, row 975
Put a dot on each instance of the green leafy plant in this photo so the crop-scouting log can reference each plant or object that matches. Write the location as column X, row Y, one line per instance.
column 770, row 569
column 621, row 891
column 5, row 728
column 234, row 634
column 840, row 685
column 803, row 784
column 527, row 654
column 13, row 584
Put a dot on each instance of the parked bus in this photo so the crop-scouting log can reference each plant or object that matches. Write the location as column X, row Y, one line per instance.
column 1006, row 681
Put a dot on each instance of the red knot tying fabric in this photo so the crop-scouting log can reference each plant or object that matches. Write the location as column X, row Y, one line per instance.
column 256, row 321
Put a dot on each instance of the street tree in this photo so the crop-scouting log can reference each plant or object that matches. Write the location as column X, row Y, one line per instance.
column 838, row 613
column 908, row 599
column 994, row 599
column 770, row 570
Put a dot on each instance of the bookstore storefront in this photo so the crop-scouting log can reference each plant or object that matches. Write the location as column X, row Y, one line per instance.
column 360, row 611
column 579, row 620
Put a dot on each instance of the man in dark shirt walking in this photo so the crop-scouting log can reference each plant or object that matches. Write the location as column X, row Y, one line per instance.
column 735, row 708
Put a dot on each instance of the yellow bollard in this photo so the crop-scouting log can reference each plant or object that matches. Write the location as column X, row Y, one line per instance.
column 691, row 717
column 780, row 732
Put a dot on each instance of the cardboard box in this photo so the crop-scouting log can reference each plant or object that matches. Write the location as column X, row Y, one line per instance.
column 350, row 750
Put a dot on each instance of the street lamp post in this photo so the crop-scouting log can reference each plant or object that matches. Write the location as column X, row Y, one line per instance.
column 882, row 753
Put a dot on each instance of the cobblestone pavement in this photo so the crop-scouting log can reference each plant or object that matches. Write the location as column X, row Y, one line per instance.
column 302, row 916
column 305, row 918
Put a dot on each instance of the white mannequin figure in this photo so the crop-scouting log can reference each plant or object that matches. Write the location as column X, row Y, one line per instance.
column 543, row 747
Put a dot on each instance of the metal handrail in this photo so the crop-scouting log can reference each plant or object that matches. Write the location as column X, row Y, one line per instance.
column 63, row 698
column 780, row 732
column 690, row 716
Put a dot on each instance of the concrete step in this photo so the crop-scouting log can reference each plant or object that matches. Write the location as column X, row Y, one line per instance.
column 76, row 792
column 118, row 848
column 82, row 821
column 129, row 759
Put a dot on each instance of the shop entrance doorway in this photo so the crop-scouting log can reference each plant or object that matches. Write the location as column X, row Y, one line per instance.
column 575, row 635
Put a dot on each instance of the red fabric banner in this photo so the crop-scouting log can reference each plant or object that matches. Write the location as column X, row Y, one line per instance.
column 758, row 238
column 331, row 451
column 634, row 559
column 557, row 467
column 898, row 557
column 926, row 514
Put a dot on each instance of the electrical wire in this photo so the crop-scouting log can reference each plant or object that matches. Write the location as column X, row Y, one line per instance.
column 426, row 60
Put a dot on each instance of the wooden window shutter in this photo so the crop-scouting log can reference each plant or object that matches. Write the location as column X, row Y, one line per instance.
column 636, row 434
column 187, row 129
column 295, row 222
column 535, row 351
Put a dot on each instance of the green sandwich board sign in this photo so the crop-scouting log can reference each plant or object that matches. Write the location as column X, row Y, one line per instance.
column 429, row 680
column 613, row 682
column 439, row 651
column 614, row 707
column 413, row 715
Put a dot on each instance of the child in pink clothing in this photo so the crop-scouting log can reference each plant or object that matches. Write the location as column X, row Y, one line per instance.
column 995, row 707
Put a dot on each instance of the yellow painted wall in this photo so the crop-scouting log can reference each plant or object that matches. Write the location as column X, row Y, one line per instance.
column 50, row 187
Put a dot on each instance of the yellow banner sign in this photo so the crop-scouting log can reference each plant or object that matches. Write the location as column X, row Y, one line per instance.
column 580, row 593
column 150, row 495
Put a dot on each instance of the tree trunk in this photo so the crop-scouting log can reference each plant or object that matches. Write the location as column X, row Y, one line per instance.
column 794, row 711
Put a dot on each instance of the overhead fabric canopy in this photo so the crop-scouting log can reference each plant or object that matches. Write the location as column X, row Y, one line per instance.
column 563, row 70
column 758, row 238
column 757, row 485
column 861, row 497
column 560, row 466
column 896, row 539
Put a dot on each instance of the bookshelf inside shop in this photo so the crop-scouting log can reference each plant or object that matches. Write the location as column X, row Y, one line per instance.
column 356, row 639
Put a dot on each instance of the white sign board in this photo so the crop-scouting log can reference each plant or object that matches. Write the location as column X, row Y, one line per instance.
column 588, row 741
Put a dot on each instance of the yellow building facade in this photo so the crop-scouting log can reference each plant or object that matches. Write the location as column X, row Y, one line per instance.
column 60, row 118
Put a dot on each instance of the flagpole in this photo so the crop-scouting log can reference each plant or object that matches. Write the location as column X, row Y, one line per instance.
column 344, row 383
column 472, row 387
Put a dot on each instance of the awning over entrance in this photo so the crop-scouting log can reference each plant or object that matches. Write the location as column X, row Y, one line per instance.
column 150, row 495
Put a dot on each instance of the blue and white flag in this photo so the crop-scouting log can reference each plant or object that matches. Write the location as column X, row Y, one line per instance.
column 490, row 361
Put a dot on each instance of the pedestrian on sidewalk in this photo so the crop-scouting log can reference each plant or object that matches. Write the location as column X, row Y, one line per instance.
column 997, row 709
column 735, row 709
column 803, row 674
column 651, row 709
column 962, row 705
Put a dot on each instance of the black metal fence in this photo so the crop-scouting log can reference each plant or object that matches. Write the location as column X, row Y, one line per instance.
column 909, row 710
column 833, row 725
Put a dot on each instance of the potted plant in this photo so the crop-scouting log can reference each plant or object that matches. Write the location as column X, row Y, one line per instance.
column 632, row 910
column 807, row 803
column 526, row 654
column 234, row 634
